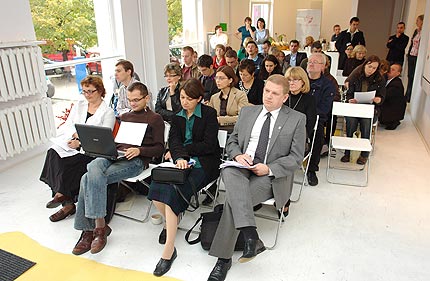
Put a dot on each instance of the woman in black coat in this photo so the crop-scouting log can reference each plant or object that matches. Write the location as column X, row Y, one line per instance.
column 168, row 103
column 193, row 136
column 365, row 78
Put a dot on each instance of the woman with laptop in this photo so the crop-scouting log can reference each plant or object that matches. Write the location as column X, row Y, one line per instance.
column 193, row 136
column 64, row 165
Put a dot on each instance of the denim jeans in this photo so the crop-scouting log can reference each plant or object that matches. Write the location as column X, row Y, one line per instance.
column 93, row 190
column 351, row 127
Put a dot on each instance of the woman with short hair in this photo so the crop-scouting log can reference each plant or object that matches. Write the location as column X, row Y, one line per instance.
column 193, row 136
column 168, row 103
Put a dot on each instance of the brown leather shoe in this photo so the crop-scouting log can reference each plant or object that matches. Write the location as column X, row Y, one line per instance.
column 84, row 243
column 61, row 214
column 361, row 160
column 56, row 201
column 100, row 239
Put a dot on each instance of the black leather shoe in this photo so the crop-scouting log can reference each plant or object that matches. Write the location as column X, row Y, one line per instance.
column 219, row 272
column 164, row 265
column 162, row 237
column 284, row 213
column 257, row 207
column 312, row 178
column 253, row 247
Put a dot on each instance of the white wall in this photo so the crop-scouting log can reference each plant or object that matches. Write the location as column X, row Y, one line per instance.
column 420, row 101
column 17, row 11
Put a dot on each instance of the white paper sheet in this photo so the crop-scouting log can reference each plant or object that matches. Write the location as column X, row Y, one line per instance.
column 61, row 147
column 234, row 164
column 131, row 133
column 364, row 97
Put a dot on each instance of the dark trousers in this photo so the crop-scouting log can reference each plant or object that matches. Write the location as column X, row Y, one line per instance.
column 316, row 152
column 351, row 127
column 412, row 62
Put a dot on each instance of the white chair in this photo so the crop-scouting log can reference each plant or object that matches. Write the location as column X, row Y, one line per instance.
column 144, row 175
column 346, row 143
column 306, row 162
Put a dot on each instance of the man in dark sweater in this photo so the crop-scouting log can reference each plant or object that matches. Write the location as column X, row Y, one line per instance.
column 323, row 90
column 397, row 44
column 91, row 208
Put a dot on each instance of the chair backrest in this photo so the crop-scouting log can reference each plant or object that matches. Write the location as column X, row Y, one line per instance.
column 222, row 138
column 353, row 109
column 166, row 132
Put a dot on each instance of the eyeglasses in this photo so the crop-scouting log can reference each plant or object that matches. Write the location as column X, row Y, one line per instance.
column 135, row 100
column 314, row 62
column 294, row 80
column 88, row 92
column 220, row 78
column 170, row 76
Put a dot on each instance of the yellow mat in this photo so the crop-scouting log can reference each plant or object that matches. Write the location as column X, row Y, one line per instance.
column 51, row 265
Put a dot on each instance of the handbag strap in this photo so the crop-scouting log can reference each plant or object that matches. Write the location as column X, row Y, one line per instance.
column 187, row 235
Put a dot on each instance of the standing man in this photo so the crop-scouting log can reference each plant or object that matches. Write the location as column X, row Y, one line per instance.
column 124, row 74
column 272, row 138
column 351, row 35
column 189, row 68
column 397, row 44
column 295, row 58
column 324, row 91
column 394, row 105
column 91, row 208
column 336, row 30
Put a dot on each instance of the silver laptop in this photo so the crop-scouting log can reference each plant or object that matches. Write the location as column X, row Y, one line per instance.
column 97, row 141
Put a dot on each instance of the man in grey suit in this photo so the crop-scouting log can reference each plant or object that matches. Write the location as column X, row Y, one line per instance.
column 268, row 140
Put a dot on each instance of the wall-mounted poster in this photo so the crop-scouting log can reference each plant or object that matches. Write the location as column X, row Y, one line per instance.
column 308, row 22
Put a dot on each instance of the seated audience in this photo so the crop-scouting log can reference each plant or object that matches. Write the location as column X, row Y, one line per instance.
column 251, row 85
column 232, row 61
column 357, row 57
column 384, row 67
column 271, row 177
column 323, row 90
column 63, row 174
column 91, row 208
column 242, row 53
column 189, row 67
column 394, row 106
column 309, row 40
column 269, row 67
column 193, row 135
column 266, row 48
column 205, row 65
column 316, row 47
column 280, row 56
column 366, row 78
column 219, row 59
column 168, row 103
column 252, row 50
column 228, row 101
column 124, row 73
column 336, row 30
column 295, row 58
column 261, row 35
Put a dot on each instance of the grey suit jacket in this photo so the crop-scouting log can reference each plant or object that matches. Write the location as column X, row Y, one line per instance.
column 286, row 147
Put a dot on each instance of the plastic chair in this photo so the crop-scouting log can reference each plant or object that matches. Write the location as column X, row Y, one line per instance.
column 347, row 143
column 144, row 175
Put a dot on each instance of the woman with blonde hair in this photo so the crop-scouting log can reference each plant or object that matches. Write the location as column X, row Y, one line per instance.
column 358, row 56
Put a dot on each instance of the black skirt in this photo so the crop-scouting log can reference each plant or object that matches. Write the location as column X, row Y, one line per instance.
column 167, row 194
column 64, row 174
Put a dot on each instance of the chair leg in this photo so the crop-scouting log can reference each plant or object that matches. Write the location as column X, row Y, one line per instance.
column 277, row 231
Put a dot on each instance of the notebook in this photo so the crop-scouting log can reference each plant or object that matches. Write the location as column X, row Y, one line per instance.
column 97, row 141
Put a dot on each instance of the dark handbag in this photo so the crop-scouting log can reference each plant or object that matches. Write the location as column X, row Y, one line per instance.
column 170, row 175
column 208, row 227
column 175, row 177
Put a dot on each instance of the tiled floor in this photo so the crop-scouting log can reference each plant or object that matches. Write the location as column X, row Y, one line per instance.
column 335, row 232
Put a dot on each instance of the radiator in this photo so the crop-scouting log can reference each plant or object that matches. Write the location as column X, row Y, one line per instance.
column 24, row 126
